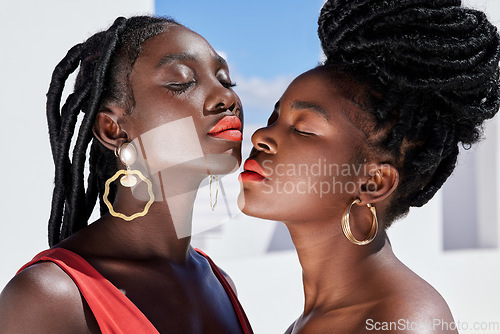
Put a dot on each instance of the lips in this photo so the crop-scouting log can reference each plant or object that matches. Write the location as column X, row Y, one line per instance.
column 228, row 128
column 252, row 172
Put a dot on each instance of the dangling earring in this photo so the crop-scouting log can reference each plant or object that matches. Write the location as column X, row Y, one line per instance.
column 212, row 178
column 128, row 155
column 347, row 229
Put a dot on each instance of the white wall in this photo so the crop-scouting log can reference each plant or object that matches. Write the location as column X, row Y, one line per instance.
column 34, row 37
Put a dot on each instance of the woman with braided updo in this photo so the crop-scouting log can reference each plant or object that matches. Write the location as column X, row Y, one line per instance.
column 160, row 115
column 354, row 143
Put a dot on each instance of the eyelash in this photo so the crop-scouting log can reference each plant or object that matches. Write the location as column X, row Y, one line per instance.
column 302, row 133
column 178, row 88
column 228, row 84
column 182, row 87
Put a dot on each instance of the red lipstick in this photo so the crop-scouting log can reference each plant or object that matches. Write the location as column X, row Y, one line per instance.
column 228, row 128
column 252, row 172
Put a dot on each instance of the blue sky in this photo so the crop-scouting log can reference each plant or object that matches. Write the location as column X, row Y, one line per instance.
column 267, row 43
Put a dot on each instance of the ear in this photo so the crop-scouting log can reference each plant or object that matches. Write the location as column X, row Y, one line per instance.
column 383, row 181
column 107, row 129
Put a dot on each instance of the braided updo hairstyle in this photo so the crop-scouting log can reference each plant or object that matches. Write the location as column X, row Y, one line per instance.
column 105, row 61
column 431, row 68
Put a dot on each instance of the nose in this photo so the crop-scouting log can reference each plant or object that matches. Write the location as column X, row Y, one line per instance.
column 263, row 140
column 221, row 99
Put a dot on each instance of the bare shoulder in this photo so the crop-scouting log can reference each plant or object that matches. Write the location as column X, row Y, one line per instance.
column 44, row 299
column 412, row 307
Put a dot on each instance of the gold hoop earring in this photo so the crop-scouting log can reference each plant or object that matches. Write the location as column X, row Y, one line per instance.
column 128, row 155
column 347, row 229
column 216, row 178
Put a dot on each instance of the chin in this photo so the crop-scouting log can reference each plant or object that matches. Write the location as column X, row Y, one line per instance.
column 225, row 163
column 258, row 209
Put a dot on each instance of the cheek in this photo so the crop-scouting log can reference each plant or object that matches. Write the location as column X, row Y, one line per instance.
column 159, row 102
column 285, row 198
column 292, row 194
column 170, row 144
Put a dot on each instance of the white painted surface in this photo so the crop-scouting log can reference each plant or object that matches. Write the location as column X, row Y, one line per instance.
column 34, row 37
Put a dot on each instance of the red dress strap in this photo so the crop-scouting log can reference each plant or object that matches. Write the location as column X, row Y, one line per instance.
column 114, row 312
column 245, row 324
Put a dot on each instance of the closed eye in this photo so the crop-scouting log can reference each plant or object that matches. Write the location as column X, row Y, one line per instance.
column 179, row 87
column 228, row 84
column 183, row 84
column 302, row 133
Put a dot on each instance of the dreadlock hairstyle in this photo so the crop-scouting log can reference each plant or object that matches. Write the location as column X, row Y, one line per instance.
column 432, row 71
column 105, row 60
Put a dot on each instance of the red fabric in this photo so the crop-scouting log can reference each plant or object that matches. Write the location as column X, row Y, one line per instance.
column 114, row 312
column 111, row 308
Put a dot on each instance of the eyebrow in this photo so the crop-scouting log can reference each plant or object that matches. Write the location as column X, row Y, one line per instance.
column 173, row 57
column 185, row 57
column 303, row 105
column 220, row 60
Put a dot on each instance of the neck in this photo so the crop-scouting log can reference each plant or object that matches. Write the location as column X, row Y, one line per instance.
column 165, row 231
column 335, row 270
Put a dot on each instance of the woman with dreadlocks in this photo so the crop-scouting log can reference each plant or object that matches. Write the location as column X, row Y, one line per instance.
column 160, row 115
column 354, row 143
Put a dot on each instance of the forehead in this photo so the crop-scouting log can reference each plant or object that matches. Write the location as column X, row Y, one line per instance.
column 336, row 95
column 176, row 40
column 319, row 87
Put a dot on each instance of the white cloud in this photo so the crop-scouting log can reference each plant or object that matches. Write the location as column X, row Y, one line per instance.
column 257, row 94
column 223, row 54
column 260, row 93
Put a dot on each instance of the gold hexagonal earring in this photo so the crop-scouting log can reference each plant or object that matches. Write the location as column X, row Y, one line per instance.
column 127, row 154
